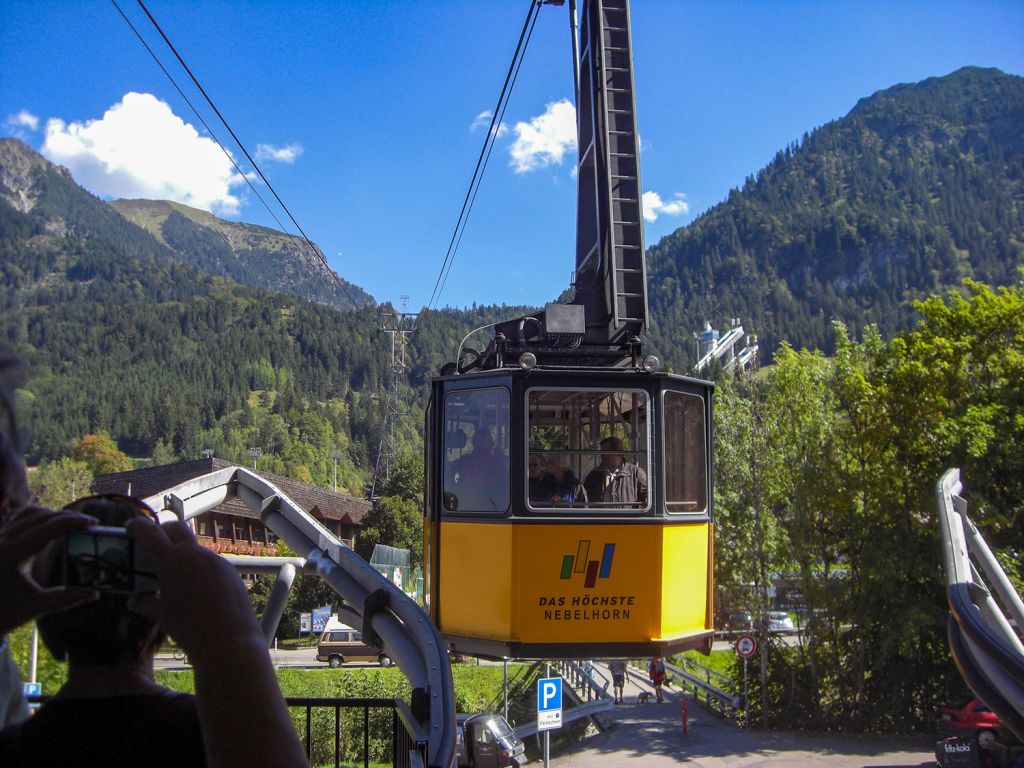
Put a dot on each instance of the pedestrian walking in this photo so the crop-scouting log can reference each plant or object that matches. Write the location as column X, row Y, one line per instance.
column 656, row 671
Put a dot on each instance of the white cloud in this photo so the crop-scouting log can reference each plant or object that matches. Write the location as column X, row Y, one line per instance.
column 545, row 139
column 140, row 148
column 483, row 120
column 287, row 154
column 654, row 206
column 24, row 119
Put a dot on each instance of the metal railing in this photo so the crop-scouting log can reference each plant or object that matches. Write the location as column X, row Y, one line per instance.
column 387, row 617
column 715, row 688
column 987, row 650
column 589, row 683
column 390, row 739
column 593, row 702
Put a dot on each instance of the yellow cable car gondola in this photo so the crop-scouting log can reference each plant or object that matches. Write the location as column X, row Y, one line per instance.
column 569, row 496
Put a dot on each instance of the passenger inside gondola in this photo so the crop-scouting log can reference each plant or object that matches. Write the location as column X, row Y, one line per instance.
column 616, row 481
column 560, row 486
column 481, row 475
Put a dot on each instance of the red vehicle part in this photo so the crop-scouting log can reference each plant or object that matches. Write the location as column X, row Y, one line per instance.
column 970, row 719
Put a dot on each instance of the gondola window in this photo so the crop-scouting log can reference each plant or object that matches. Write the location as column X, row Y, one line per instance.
column 476, row 449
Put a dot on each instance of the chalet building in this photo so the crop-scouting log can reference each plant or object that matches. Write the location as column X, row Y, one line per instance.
column 233, row 528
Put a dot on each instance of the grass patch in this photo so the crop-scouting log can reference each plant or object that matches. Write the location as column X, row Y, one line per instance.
column 721, row 662
column 478, row 688
column 297, row 643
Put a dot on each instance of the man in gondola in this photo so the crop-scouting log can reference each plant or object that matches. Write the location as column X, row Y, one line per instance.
column 615, row 480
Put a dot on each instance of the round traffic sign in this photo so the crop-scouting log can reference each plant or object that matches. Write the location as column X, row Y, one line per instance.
column 746, row 645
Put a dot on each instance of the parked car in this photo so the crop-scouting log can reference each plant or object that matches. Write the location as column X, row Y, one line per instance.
column 967, row 718
column 780, row 622
column 737, row 623
column 487, row 741
column 340, row 643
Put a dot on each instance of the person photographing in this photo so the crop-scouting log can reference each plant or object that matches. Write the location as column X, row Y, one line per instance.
column 111, row 711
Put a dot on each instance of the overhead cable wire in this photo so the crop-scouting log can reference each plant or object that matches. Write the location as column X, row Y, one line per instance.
column 316, row 251
column 489, row 139
column 490, row 148
column 485, row 151
column 198, row 116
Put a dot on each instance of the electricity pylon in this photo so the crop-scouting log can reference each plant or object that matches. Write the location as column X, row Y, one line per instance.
column 398, row 326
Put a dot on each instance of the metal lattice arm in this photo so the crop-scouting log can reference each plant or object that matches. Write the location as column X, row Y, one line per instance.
column 987, row 650
column 387, row 616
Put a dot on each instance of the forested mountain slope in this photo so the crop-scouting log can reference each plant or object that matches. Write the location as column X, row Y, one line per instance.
column 916, row 188
column 248, row 254
column 121, row 335
column 126, row 331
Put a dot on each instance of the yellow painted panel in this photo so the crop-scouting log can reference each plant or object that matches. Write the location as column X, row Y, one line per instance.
column 588, row 583
column 573, row 583
column 684, row 579
column 475, row 580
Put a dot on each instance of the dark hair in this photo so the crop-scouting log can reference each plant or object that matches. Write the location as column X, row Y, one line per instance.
column 612, row 443
column 10, row 366
column 104, row 632
column 12, row 470
column 12, row 475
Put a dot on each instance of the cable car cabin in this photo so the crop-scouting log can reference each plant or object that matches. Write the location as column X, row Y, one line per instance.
column 568, row 499
column 569, row 513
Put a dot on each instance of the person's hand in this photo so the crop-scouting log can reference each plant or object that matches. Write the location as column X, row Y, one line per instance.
column 203, row 605
column 200, row 593
column 22, row 536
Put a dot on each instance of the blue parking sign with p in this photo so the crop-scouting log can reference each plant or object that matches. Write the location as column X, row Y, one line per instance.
column 549, row 694
column 549, row 703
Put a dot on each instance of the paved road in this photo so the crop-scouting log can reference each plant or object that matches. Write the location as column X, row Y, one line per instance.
column 650, row 735
column 305, row 657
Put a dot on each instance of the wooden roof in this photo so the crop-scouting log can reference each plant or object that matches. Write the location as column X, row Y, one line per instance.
column 320, row 502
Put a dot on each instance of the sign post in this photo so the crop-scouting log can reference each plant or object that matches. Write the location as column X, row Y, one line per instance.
column 549, row 709
column 745, row 647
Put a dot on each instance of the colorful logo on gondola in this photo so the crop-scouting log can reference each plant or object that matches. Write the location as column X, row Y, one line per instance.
column 592, row 569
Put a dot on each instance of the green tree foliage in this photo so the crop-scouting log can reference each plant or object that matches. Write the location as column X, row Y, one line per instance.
column 100, row 454
column 396, row 518
column 56, row 483
column 960, row 377
column 163, row 454
column 826, row 468
column 393, row 521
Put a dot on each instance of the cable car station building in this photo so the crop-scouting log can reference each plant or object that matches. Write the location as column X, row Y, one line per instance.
column 233, row 528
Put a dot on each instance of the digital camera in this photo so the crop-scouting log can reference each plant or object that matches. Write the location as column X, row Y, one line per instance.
column 104, row 559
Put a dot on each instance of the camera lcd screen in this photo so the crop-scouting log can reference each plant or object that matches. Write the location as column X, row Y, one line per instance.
column 100, row 559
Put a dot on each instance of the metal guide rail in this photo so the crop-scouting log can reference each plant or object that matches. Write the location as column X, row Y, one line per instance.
column 986, row 648
column 387, row 616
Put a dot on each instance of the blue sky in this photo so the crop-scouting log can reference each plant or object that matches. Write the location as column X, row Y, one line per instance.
column 362, row 114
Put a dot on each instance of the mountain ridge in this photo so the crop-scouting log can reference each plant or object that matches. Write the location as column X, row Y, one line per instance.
column 252, row 255
column 918, row 187
column 896, row 201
